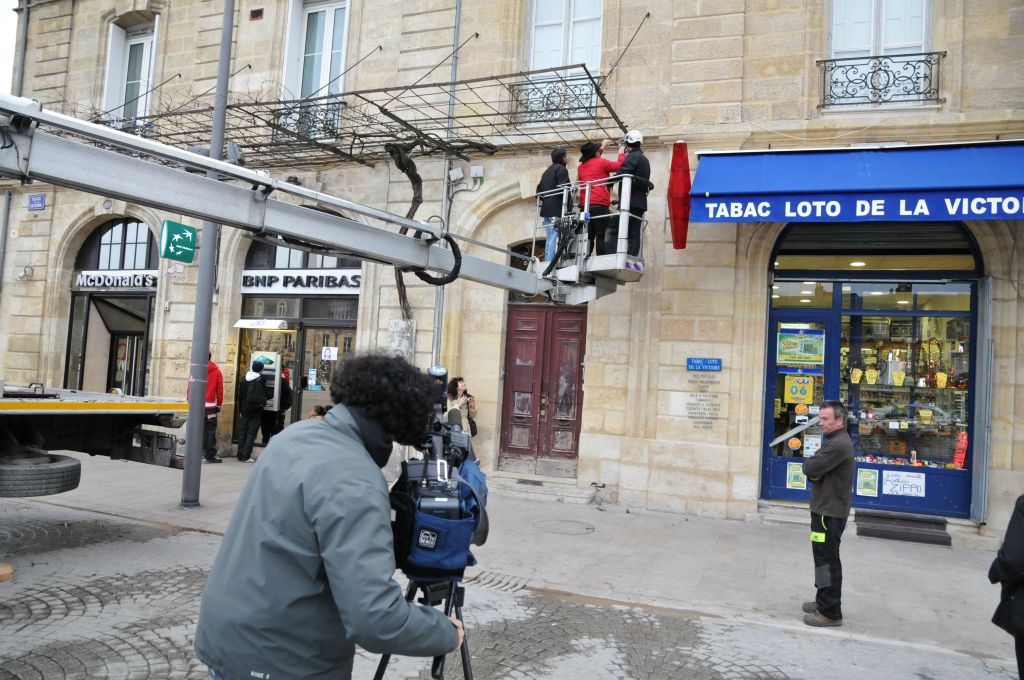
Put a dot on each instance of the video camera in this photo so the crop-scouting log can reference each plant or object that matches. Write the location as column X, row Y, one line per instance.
column 440, row 500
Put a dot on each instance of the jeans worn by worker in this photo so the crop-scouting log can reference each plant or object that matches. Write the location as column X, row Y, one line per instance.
column 551, row 242
column 826, row 534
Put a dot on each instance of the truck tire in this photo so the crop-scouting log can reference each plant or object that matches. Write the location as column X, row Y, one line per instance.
column 57, row 475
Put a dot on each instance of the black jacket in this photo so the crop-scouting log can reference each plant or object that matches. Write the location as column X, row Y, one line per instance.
column 636, row 164
column 1008, row 570
column 833, row 465
column 555, row 176
column 254, row 395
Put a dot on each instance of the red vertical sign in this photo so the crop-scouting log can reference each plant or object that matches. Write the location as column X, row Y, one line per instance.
column 679, row 194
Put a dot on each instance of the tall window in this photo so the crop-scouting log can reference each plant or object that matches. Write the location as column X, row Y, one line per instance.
column 118, row 244
column 323, row 54
column 862, row 28
column 314, row 63
column 129, row 73
column 566, row 32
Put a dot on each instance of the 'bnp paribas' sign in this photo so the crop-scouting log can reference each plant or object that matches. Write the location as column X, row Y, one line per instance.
column 301, row 281
column 115, row 279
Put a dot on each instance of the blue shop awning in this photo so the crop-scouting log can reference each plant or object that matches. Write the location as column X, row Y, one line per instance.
column 983, row 181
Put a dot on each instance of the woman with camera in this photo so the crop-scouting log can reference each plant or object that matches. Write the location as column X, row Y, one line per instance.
column 459, row 398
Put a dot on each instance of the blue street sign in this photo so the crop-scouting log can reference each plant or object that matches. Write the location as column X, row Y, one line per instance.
column 703, row 364
column 37, row 201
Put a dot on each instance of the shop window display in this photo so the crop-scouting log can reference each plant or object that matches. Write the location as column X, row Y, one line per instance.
column 906, row 382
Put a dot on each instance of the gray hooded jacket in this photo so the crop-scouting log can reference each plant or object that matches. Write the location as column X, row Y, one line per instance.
column 305, row 570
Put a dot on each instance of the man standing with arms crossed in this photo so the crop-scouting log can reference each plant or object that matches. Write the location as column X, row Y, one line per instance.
column 831, row 473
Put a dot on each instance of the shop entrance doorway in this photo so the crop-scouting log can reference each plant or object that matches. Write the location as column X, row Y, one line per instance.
column 801, row 375
column 126, row 363
column 322, row 349
column 543, row 396
column 884, row 319
column 108, row 340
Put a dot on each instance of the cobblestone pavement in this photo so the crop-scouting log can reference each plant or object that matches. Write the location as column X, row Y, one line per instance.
column 102, row 597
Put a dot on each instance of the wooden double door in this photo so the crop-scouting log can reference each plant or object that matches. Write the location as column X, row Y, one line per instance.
column 543, row 393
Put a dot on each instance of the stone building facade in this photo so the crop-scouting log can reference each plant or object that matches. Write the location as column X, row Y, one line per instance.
column 721, row 75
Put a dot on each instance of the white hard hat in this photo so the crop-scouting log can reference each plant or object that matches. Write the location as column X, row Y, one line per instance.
column 634, row 137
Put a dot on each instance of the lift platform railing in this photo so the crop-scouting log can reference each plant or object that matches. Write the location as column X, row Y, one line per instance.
column 620, row 264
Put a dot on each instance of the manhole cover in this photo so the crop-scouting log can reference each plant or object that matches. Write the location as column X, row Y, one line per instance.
column 557, row 526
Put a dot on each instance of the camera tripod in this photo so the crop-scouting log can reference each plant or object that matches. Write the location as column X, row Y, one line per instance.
column 451, row 594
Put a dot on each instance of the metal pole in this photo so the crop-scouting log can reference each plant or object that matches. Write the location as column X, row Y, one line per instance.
column 446, row 206
column 205, row 285
column 19, row 71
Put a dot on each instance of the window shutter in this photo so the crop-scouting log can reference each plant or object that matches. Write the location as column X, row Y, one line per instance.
column 112, row 85
column 903, row 28
column 852, row 28
column 585, row 41
column 546, row 41
column 292, row 75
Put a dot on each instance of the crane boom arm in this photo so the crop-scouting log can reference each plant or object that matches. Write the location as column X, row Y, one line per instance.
column 28, row 153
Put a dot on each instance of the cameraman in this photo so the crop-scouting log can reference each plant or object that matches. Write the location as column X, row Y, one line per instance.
column 305, row 570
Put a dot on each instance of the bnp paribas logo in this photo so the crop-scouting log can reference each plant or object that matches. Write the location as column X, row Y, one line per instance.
column 265, row 360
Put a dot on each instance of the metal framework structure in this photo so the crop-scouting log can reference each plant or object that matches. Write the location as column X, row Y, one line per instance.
column 120, row 165
column 532, row 109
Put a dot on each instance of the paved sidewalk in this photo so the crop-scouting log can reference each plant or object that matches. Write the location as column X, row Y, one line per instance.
column 933, row 599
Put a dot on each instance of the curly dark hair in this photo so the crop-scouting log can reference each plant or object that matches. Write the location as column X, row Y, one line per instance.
column 389, row 390
column 453, row 386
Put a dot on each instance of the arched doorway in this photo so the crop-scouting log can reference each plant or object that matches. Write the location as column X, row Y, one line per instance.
column 542, row 405
column 113, row 290
column 883, row 318
column 300, row 308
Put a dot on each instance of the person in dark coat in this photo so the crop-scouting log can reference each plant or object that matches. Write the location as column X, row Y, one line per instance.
column 1008, row 570
column 831, row 473
column 252, row 399
column 305, row 570
column 557, row 175
column 637, row 165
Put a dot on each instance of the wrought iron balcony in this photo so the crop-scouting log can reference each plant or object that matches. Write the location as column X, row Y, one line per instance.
column 566, row 98
column 313, row 119
column 881, row 79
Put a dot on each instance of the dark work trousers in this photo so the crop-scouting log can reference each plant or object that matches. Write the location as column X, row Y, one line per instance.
column 826, row 533
column 611, row 234
column 210, row 435
column 595, row 228
column 247, row 435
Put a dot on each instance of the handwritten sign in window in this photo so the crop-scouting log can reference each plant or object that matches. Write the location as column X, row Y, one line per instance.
column 897, row 483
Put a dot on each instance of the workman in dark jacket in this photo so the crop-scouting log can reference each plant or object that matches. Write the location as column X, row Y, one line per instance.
column 637, row 165
column 304, row 573
column 551, row 204
column 1008, row 570
column 831, row 473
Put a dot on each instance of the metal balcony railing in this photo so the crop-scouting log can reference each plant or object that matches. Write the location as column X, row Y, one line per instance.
column 885, row 79
column 313, row 119
column 542, row 101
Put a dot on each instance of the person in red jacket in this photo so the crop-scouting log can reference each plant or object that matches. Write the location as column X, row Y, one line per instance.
column 593, row 168
column 214, row 402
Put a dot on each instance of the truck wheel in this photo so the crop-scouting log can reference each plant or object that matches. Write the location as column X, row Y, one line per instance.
column 38, row 475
